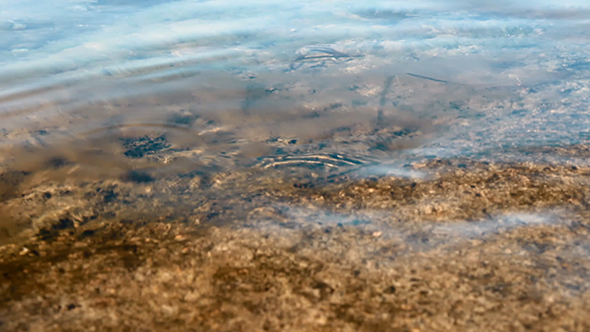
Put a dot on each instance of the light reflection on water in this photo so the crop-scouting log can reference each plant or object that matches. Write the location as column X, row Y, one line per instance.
column 169, row 86
column 57, row 58
column 448, row 235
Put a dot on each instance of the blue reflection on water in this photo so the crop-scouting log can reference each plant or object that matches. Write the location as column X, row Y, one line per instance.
column 44, row 38
column 71, row 52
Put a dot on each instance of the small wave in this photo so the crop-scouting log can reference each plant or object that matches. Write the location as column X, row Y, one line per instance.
column 312, row 160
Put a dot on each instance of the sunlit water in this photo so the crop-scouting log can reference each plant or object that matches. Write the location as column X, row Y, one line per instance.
column 440, row 147
column 117, row 85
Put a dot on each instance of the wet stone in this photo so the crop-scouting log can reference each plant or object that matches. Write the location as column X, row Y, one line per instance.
column 136, row 177
column 57, row 162
column 145, row 145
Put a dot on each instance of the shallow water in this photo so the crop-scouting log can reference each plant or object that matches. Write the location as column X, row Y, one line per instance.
column 87, row 71
column 141, row 90
column 386, row 133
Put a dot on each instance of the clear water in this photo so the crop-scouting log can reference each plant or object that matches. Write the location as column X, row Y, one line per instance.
column 76, row 67
column 113, row 85
column 223, row 112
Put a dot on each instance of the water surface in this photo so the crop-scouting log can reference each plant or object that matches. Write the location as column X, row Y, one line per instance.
column 294, row 165
column 141, row 91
